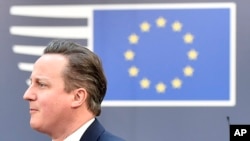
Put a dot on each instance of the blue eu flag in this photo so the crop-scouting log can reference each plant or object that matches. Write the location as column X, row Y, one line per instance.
column 167, row 57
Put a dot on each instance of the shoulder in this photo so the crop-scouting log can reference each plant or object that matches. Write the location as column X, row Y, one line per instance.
column 96, row 132
column 107, row 136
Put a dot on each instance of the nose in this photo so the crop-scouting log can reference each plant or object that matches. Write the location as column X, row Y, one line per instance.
column 29, row 94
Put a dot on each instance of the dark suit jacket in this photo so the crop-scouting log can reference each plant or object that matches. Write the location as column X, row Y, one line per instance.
column 96, row 132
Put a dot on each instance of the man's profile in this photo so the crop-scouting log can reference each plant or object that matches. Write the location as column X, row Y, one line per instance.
column 67, row 88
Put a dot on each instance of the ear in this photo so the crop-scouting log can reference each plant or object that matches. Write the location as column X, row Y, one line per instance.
column 79, row 97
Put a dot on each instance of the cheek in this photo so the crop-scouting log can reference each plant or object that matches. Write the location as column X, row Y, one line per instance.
column 55, row 102
column 48, row 106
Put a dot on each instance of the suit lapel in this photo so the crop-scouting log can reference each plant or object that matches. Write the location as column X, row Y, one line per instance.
column 93, row 132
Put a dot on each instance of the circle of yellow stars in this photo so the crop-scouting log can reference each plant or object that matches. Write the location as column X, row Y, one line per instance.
column 192, row 54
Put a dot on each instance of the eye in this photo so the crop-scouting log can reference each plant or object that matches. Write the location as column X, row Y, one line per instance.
column 42, row 85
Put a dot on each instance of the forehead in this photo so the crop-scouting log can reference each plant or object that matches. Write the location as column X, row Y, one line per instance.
column 50, row 65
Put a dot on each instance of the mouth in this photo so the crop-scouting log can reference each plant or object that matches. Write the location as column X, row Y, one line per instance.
column 33, row 110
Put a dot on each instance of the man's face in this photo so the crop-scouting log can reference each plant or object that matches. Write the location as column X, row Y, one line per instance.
column 48, row 102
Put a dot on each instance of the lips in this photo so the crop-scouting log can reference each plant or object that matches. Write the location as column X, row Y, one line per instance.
column 32, row 110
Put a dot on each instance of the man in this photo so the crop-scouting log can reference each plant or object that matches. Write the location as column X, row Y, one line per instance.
column 67, row 87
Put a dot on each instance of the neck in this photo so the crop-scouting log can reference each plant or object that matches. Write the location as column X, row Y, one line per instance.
column 68, row 129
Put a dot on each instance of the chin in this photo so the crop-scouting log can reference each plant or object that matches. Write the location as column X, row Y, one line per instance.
column 34, row 124
column 38, row 126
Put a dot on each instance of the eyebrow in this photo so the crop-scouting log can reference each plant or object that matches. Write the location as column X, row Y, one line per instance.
column 38, row 78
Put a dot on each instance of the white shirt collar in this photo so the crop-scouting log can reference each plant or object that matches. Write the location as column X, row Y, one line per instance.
column 76, row 136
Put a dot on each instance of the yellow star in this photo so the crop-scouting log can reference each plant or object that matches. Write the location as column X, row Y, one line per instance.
column 145, row 26
column 129, row 55
column 176, row 83
column 188, row 71
column 161, row 22
column 192, row 54
column 133, row 71
column 161, row 87
column 177, row 26
column 145, row 83
column 188, row 38
column 133, row 38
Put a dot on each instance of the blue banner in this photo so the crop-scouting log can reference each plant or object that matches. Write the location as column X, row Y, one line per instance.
column 166, row 55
